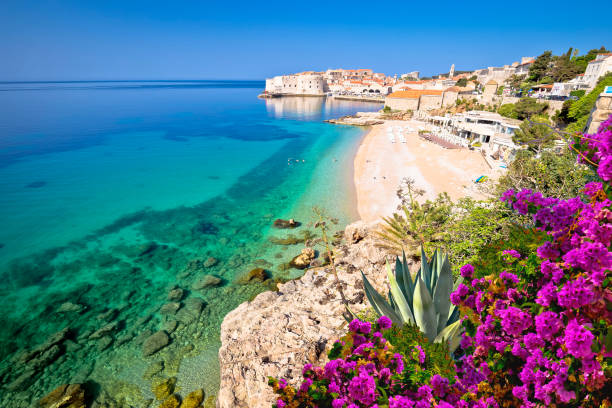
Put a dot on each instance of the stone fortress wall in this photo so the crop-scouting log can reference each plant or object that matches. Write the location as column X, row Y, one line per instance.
column 302, row 84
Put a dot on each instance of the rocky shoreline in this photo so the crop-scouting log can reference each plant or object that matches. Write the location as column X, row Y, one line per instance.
column 358, row 119
column 278, row 332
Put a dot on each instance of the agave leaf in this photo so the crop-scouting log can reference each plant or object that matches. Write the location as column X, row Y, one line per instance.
column 442, row 293
column 401, row 278
column 408, row 285
column 452, row 335
column 435, row 270
column 378, row 302
column 424, row 311
column 425, row 269
column 398, row 297
column 453, row 315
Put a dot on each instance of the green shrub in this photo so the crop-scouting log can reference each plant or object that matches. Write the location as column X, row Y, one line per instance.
column 508, row 111
column 578, row 93
column 405, row 338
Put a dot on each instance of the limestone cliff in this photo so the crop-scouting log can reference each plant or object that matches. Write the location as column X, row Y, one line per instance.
column 278, row 332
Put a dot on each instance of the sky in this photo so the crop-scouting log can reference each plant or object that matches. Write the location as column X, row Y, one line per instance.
column 180, row 39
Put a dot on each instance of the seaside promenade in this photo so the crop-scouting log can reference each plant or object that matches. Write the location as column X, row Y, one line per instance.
column 380, row 166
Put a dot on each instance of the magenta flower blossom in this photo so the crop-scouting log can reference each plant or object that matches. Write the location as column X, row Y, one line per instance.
column 578, row 340
column 384, row 322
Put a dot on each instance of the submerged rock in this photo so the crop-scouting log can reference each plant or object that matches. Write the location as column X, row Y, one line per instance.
column 108, row 315
column 104, row 343
column 285, row 224
column 302, row 261
column 155, row 368
column 210, row 262
column 194, row 399
column 176, row 294
column 69, row 307
column 170, row 308
column 109, row 328
column 23, row 381
column 207, row 281
column 164, row 388
column 254, row 275
column 195, row 304
column 171, row 402
column 64, row 396
column 155, row 342
column 147, row 248
column 170, row 326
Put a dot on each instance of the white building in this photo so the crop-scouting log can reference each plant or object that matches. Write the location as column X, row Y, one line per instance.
column 601, row 65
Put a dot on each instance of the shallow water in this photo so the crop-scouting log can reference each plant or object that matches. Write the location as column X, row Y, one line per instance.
column 112, row 194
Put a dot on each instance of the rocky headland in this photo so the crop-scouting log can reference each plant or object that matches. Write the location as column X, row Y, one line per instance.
column 278, row 332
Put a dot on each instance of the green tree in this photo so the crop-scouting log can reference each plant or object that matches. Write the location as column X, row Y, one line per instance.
column 526, row 107
column 535, row 135
column 508, row 111
column 461, row 82
column 564, row 68
column 582, row 61
column 539, row 68
column 515, row 81
column 554, row 175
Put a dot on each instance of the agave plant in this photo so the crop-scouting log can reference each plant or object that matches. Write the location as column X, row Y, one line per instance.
column 424, row 301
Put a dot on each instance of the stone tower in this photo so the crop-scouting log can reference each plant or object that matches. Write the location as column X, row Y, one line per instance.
column 451, row 74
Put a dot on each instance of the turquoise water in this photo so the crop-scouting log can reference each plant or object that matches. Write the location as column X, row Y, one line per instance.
column 114, row 193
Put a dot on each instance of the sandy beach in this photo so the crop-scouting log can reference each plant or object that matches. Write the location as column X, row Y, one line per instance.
column 381, row 165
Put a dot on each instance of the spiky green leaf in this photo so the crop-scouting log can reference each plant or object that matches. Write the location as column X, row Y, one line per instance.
column 442, row 292
column 398, row 297
column 424, row 310
column 378, row 302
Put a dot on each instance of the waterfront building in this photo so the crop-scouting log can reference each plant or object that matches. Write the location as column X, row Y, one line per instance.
column 305, row 83
column 421, row 99
column 601, row 65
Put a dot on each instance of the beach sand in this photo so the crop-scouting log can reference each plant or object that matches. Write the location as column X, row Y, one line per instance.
column 381, row 165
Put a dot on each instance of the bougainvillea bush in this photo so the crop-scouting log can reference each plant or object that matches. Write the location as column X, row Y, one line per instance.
column 538, row 327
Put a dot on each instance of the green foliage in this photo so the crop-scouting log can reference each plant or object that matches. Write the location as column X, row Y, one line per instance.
column 475, row 224
column 507, row 110
column 500, row 90
column 525, row 108
column 564, row 68
column 582, row 61
column 424, row 301
column 387, row 109
column 515, row 81
column 473, row 78
column 405, row 338
column 554, row 175
column 580, row 110
column 540, row 66
column 462, row 82
column 535, row 135
column 578, row 93
column 523, row 239
column 417, row 224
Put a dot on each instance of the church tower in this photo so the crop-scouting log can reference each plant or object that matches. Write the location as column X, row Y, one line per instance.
column 451, row 74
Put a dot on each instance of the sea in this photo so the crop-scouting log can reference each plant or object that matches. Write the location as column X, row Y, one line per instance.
column 128, row 208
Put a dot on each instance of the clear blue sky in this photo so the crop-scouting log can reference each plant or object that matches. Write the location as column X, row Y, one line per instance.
column 125, row 39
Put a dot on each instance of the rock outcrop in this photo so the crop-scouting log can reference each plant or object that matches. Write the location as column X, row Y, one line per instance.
column 278, row 332
column 302, row 261
column 64, row 396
